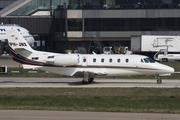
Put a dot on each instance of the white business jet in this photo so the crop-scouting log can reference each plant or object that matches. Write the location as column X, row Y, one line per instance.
column 24, row 32
column 87, row 66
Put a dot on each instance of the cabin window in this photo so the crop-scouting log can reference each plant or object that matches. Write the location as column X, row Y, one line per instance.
column 127, row 60
column 94, row 60
column 110, row 60
column 142, row 60
column 118, row 60
column 84, row 60
column 146, row 61
column 50, row 56
column 35, row 58
column 102, row 60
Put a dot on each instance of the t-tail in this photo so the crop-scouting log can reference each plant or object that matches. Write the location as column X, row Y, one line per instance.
column 17, row 43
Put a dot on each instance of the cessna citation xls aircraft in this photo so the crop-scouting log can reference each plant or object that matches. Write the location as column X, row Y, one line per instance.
column 87, row 66
column 24, row 32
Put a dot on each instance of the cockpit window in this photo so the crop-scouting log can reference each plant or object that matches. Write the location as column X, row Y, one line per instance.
column 150, row 60
column 142, row 60
column 147, row 60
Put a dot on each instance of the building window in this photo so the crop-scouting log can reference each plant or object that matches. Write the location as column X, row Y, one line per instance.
column 147, row 24
column 111, row 24
column 93, row 24
column 129, row 24
column 166, row 24
column 74, row 24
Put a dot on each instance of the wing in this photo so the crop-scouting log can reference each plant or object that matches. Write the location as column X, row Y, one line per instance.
column 91, row 73
column 30, row 67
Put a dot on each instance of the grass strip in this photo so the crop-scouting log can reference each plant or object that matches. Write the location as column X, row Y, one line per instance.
column 152, row 100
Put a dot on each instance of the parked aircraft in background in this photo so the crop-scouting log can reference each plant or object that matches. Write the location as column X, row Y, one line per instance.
column 87, row 66
column 24, row 32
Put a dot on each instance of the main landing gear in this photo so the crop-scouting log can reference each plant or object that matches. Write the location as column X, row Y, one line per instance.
column 159, row 81
column 89, row 81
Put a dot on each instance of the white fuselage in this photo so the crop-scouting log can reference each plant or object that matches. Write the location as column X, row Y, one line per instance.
column 113, row 64
column 87, row 66
column 24, row 32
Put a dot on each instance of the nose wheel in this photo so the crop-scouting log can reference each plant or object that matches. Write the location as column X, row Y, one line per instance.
column 159, row 81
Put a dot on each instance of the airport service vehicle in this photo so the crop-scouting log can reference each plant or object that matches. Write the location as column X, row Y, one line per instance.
column 164, row 55
column 151, row 44
column 87, row 66
column 24, row 32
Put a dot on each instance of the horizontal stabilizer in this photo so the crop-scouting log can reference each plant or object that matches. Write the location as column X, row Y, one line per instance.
column 22, row 51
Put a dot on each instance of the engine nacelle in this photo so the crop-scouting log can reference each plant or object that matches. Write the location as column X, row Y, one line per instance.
column 65, row 59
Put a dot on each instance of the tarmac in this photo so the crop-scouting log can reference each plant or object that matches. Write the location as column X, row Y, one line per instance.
column 7, row 82
column 82, row 115
column 8, row 61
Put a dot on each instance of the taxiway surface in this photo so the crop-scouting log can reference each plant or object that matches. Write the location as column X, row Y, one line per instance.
column 6, row 82
column 79, row 115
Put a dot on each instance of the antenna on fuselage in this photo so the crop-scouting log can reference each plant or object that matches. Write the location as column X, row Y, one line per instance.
column 93, row 52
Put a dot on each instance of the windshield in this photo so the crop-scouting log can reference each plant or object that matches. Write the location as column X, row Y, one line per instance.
column 149, row 60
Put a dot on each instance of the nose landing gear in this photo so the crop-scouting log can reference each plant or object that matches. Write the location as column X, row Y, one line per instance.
column 159, row 81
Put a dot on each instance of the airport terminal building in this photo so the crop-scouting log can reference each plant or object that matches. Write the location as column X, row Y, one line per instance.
column 68, row 24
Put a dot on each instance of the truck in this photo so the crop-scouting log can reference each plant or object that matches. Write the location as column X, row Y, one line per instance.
column 161, row 48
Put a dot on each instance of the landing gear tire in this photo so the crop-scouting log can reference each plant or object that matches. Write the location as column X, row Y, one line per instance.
column 159, row 81
column 164, row 59
column 84, row 82
column 90, row 80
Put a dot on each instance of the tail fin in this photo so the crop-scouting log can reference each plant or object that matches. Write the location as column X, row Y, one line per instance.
column 16, row 42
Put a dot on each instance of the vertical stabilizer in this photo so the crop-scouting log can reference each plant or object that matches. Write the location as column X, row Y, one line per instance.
column 16, row 41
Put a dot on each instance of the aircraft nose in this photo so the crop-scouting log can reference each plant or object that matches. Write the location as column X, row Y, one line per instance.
column 169, row 69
